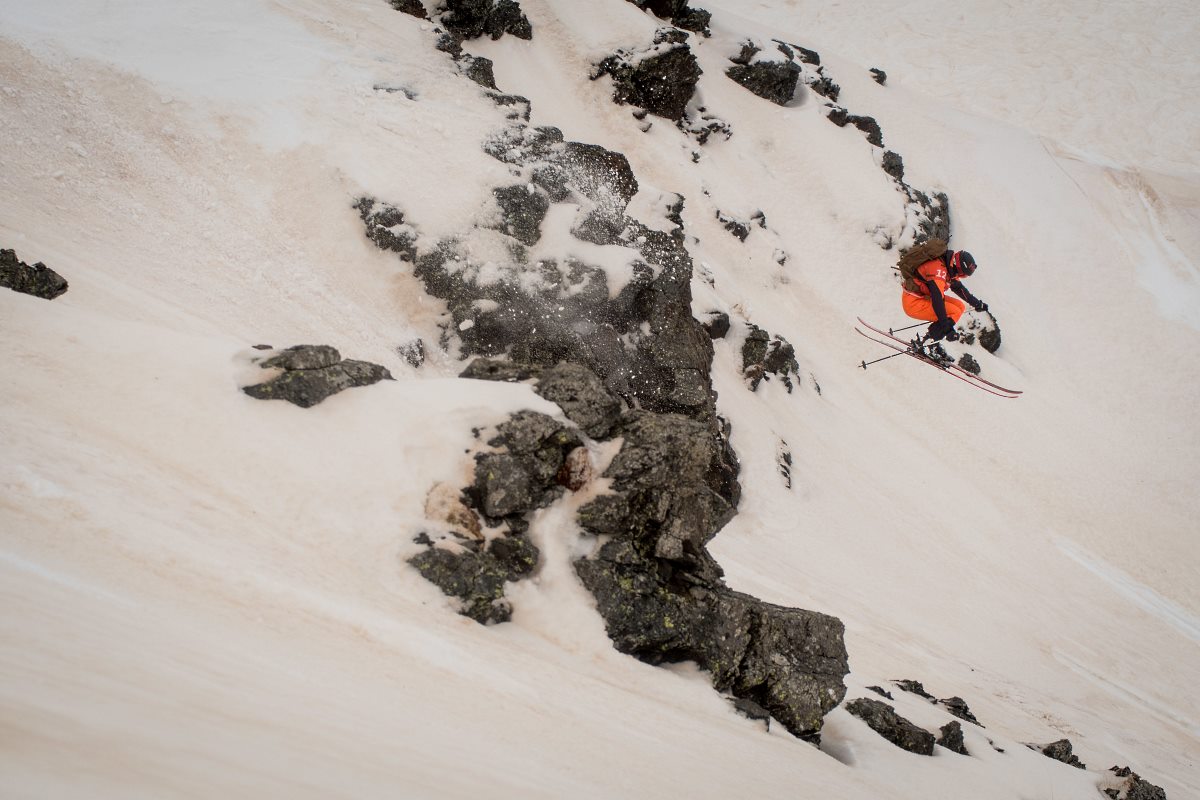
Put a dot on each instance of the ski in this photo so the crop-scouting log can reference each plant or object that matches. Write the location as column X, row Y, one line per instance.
column 961, row 374
column 957, row 370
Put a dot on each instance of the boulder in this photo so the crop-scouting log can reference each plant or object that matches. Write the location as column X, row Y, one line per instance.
column 470, row 19
column 968, row 363
column 37, row 279
column 476, row 572
column 841, row 117
column 884, row 720
column 958, row 707
column 915, row 687
column 1128, row 785
column 716, row 324
column 771, row 80
column 1060, row 751
column 662, row 83
column 763, row 354
column 951, row 738
column 312, row 373
column 414, row 7
column 582, row 397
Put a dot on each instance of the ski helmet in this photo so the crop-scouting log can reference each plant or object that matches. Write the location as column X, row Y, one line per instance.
column 963, row 262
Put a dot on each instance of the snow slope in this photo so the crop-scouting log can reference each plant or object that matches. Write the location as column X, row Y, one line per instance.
column 206, row 594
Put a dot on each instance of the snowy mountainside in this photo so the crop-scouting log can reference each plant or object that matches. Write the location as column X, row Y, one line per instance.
column 206, row 593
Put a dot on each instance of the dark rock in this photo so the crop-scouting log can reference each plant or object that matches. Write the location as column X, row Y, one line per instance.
column 1134, row 787
column 409, row 7
column 491, row 369
column 413, row 352
column 958, row 707
column 262, row 347
column 747, row 53
column 37, row 279
column 522, row 476
column 477, row 577
column 788, row 661
column 664, row 9
column 505, row 485
column 783, row 460
column 662, row 83
column 479, row 69
column 881, row 691
column 312, row 373
column 1060, row 751
column 841, row 117
column 739, row 229
column 968, row 363
column 952, row 738
column 507, row 17
column 759, row 218
column 523, row 207
column 704, row 126
column 751, row 710
column 806, row 55
column 763, row 354
column 385, row 226
column 893, row 165
column 929, row 217
column 771, row 80
column 414, row 7
column 823, row 84
column 602, row 176
column 469, row 19
column 916, row 688
column 879, row 76
column 884, row 720
column 693, row 19
column 304, row 356
column 582, row 397
column 519, row 107
column 716, row 324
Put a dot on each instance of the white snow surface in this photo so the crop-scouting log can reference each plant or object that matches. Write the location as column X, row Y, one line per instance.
column 206, row 595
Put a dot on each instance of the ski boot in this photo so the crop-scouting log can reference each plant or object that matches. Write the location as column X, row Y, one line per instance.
column 938, row 355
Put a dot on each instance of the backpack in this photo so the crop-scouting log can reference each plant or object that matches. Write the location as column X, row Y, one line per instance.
column 914, row 257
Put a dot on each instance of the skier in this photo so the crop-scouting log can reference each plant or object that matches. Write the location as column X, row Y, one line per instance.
column 929, row 300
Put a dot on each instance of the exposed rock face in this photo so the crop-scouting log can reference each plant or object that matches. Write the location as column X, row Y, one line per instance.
column 37, row 279
column 841, row 117
column 1133, row 786
column 915, row 687
column 763, row 355
column 678, row 12
column 414, row 7
column 312, row 373
column 582, row 397
column 774, row 78
column 662, row 82
column 771, row 80
column 958, row 707
column 661, row 594
column 951, row 738
column 470, row 19
column 524, row 207
column 385, row 226
column 884, row 720
column 476, row 573
column 1061, row 751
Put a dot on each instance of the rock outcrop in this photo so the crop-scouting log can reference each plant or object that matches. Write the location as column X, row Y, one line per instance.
column 311, row 373
column 1060, row 751
column 764, row 355
column 950, row 736
column 660, row 79
column 884, row 720
column 1131, row 786
column 36, row 279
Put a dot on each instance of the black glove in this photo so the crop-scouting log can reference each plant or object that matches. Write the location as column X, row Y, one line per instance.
column 981, row 306
column 952, row 334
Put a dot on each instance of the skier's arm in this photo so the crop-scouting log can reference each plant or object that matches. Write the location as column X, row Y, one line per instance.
column 935, row 297
column 972, row 300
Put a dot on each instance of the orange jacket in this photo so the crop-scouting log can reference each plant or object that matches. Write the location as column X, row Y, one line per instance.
column 932, row 270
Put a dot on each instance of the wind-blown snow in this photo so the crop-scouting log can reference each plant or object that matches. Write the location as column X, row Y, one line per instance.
column 206, row 595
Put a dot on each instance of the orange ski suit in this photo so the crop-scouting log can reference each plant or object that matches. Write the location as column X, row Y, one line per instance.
column 919, row 306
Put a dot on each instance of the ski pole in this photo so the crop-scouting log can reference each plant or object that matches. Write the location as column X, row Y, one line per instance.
column 866, row 364
column 906, row 327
